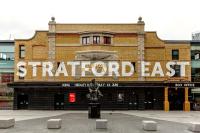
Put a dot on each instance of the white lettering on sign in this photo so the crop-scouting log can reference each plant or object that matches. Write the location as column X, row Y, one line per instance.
column 100, row 68
column 65, row 85
column 100, row 84
column 185, row 85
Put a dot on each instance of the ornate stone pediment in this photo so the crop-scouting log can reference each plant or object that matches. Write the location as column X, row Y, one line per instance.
column 96, row 55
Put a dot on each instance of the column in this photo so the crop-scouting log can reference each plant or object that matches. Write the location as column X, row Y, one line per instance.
column 52, row 44
column 140, row 42
column 166, row 101
column 186, row 103
column 140, row 55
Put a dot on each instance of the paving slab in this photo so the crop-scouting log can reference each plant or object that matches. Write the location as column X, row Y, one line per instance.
column 79, row 123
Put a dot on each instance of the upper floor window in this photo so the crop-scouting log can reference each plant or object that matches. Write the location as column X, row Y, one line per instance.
column 7, row 56
column 195, row 54
column 21, row 51
column 86, row 40
column 107, row 40
column 96, row 39
column 175, row 54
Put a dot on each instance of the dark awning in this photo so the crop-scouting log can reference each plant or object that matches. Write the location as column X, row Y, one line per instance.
column 104, row 84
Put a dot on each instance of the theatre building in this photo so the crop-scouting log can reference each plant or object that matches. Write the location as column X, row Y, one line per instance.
column 102, row 42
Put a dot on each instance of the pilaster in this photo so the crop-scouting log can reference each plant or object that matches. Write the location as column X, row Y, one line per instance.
column 140, row 55
column 186, row 103
column 52, row 44
column 166, row 101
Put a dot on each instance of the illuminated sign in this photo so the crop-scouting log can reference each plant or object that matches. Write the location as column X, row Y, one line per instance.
column 72, row 97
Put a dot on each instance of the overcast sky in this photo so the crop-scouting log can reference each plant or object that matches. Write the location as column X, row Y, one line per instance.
column 172, row 19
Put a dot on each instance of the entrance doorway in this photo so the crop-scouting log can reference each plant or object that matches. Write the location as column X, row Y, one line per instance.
column 133, row 102
column 22, row 101
column 149, row 99
column 59, row 101
column 176, row 98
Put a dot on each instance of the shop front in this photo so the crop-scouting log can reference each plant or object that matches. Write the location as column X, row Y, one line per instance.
column 116, row 96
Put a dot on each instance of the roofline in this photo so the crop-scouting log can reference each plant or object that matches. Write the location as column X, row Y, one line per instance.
column 195, row 41
column 1, row 41
column 28, row 39
column 155, row 34
column 170, row 41
column 177, row 41
column 98, row 23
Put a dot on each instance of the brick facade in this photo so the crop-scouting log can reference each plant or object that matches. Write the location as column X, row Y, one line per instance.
column 129, row 42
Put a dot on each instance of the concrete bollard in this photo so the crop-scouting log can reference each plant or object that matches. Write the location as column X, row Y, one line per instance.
column 194, row 127
column 149, row 125
column 54, row 123
column 101, row 124
column 7, row 122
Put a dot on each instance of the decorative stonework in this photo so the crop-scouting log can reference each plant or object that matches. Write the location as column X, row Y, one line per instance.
column 95, row 56
column 52, row 43
column 140, row 55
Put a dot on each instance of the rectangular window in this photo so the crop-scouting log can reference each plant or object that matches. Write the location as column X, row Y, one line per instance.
column 107, row 40
column 86, row 40
column 175, row 54
column 96, row 39
column 196, row 74
column 21, row 51
column 3, row 56
column 10, row 56
column 196, row 56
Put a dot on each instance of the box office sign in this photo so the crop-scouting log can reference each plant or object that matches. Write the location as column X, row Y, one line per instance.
column 185, row 85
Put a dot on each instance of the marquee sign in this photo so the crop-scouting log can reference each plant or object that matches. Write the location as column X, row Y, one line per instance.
column 104, row 84
column 88, row 84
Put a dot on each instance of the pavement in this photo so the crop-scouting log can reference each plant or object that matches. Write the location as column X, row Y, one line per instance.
column 118, row 121
column 173, row 116
column 20, row 115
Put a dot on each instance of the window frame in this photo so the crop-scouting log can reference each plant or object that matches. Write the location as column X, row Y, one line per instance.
column 175, row 57
column 21, row 56
column 96, row 39
column 105, row 40
column 85, row 40
column 9, row 56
